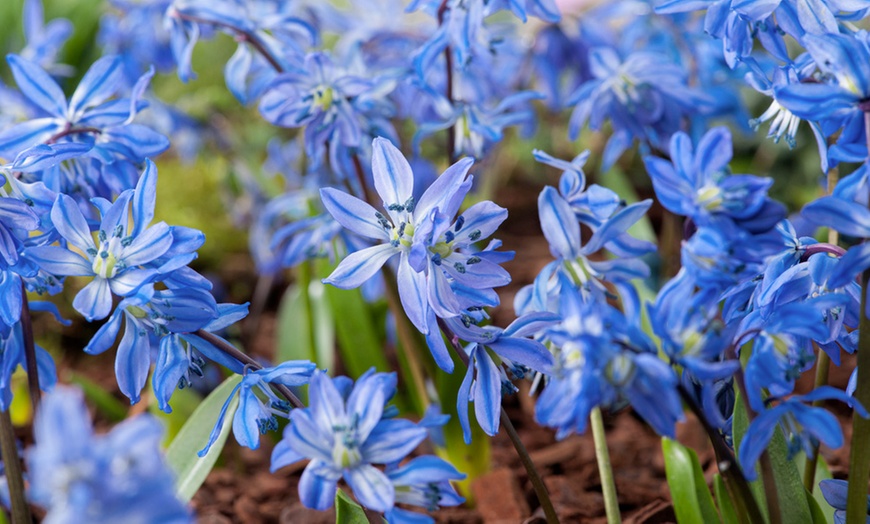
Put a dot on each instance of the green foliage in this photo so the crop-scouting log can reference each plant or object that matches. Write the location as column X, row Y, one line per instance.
column 347, row 511
column 181, row 456
column 306, row 327
column 723, row 498
column 689, row 491
column 823, row 472
column 184, row 404
column 359, row 342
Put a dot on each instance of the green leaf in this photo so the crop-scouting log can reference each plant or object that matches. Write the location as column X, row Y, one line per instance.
column 347, row 511
column 359, row 343
column 816, row 511
column 726, row 505
column 110, row 407
column 689, row 491
column 181, row 453
column 303, row 309
column 789, row 484
column 823, row 472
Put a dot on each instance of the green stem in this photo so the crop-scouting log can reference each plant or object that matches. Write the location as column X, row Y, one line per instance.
column 859, row 454
column 823, row 361
column 303, row 277
column 605, row 472
column 12, row 464
column 534, row 477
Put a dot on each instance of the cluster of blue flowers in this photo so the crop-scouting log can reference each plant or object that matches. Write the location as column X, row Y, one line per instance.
column 755, row 302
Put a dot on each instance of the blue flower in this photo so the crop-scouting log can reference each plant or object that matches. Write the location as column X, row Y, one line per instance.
column 438, row 260
column 152, row 319
column 697, row 184
column 344, row 432
column 485, row 380
column 334, row 105
column 645, row 96
column 86, row 124
column 254, row 416
column 602, row 359
column 843, row 61
column 424, row 482
column 125, row 255
column 804, row 425
column 118, row 477
column 561, row 228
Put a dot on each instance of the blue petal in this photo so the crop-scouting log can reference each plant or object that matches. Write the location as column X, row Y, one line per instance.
column 444, row 188
column 59, row 261
column 133, row 362
column 316, row 492
column 360, row 266
column 94, row 301
column 392, row 174
column 391, row 441
column 487, row 394
column 148, row 245
column 70, row 223
column 412, row 293
column 371, row 487
column 283, row 455
column 38, row 86
column 558, row 224
column 144, row 198
column 353, row 213
column 236, row 72
column 172, row 363
column 245, row 427
column 219, row 424
column 99, row 83
column 847, row 217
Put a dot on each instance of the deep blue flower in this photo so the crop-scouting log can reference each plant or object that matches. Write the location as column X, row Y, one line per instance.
column 845, row 83
column 603, row 359
column 562, row 230
column 697, row 184
column 344, row 432
column 117, row 477
column 804, row 425
column 334, row 105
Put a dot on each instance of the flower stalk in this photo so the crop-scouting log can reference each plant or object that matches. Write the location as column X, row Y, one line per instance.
column 30, row 351
column 605, row 471
column 12, row 466
column 859, row 454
